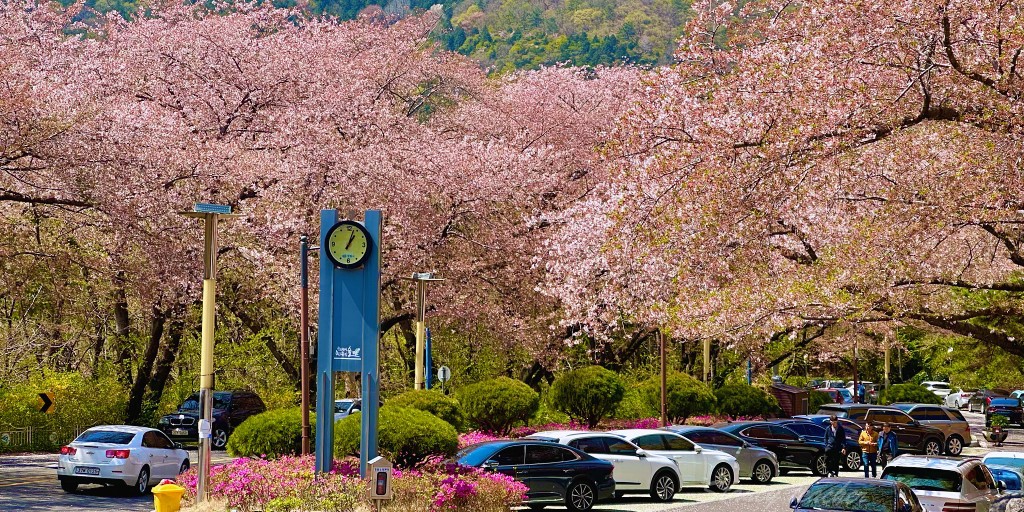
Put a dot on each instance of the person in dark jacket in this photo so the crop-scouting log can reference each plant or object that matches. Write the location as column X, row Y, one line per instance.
column 835, row 445
column 888, row 447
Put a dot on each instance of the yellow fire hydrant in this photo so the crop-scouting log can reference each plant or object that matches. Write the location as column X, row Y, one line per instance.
column 167, row 497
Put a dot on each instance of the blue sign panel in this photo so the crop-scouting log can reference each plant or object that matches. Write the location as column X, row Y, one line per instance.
column 212, row 208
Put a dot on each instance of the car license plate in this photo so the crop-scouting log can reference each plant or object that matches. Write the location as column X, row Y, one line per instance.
column 83, row 470
column 179, row 432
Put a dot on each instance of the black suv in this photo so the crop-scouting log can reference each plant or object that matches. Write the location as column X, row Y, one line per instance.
column 911, row 435
column 230, row 408
column 793, row 451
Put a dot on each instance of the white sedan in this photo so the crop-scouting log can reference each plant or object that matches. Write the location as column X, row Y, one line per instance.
column 119, row 455
column 697, row 466
column 633, row 468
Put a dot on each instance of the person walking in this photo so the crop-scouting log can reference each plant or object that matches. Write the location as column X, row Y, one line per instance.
column 868, row 442
column 835, row 446
column 888, row 447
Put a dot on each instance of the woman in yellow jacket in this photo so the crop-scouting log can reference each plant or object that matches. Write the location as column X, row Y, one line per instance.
column 868, row 442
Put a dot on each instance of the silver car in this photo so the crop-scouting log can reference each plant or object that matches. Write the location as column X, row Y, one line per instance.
column 756, row 464
column 950, row 421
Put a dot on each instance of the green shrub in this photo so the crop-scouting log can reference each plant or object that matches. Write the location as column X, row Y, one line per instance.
column 634, row 405
column 817, row 399
column 745, row 400
column 445, row 407
column 272, row 433
column 588, row 394
column 404, row 435
column 685, row 396
column 497, row 405
column 913, row 393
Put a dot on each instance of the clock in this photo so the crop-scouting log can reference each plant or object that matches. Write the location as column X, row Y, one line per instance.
column 348, row 244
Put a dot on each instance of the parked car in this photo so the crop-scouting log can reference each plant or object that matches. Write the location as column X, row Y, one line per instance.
column 954, row 427
column 756, row 463
column 120, row 455
column 958, row 398
column 1009, row 407
column 553, row 474
column 838, row 395
column 346, row 406
column 704, row 467
column 230, row 409
column 870, row 390
column 635, row 470
column 938, row 387
column 1006, row 467
column 911, row 435
column 791, row 450
column 830, row 383
column 981, row 398
column 857, row 495
column 945, row 483
column 822, row 420
column 813, row 431
column 1011, row 478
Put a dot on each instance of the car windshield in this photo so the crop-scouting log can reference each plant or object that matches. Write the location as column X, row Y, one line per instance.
column 850, row 496
column 839, row 412
column 105, row 436
column 342, row 405
column 904, row 407
column 475, row 455
column 1004, row 461
column 925, row 479
column 220, row 401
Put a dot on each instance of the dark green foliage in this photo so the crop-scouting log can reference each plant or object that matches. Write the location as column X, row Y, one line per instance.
column 272, row 433
column 685, row 396
column 445, row 407
column 817, row 399
column 912, row 393
column 497, row 405
column 588, row 394
column 405, row 435
column 745, row 400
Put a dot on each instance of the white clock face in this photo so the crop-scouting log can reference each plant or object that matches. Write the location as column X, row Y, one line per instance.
column 348, row 244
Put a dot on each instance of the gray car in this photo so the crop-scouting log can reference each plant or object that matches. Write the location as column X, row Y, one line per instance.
column 756, row 464
column 952, row 424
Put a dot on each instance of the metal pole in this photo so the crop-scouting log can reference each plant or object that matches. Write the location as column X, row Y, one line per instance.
column 421, row 310
column 664, row 371
column 750, row 376
column 856, row 398
column 707, row 360
column 886, row 380
column 206, row 353
column 304, row 339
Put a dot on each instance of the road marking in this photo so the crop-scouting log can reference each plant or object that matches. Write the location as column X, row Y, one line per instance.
column 14, row 484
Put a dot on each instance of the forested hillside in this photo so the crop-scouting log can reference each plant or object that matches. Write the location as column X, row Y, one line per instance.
column 523, row 34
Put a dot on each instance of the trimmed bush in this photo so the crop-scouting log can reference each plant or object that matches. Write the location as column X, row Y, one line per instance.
column 588, row 394
column 634, row 405
column 497, row 405
column 913, row 393
column 445, row 407
column 272, row 433
column 745, row 400
column 817, row 399
column 685, row 396
column 405, row 435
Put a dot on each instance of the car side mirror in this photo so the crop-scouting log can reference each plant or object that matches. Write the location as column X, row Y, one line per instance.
column 745, row 445
column 490, row 464
column 793, row 503
column 640, row 452
column 179, row 446
column 698, row 449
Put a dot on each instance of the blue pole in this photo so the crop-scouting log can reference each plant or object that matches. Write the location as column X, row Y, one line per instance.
column 429, row 362
column 749, row 377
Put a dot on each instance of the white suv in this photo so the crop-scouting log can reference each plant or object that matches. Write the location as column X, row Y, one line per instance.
column 698, row 466
column 940, row 388
column 635, row 470
column 945, row 483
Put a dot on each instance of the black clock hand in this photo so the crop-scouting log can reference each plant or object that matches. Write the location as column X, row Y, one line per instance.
column 350, row 238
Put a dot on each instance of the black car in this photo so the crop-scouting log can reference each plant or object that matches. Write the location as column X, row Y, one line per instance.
column 913, row 436
column 982, row 397
column 230, row 409
column 816, row 432
column 1009, row 407
column 792, row 450
column 857, row 495
column 554, row 474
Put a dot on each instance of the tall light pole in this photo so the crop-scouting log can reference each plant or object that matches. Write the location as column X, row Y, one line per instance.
column 421, row 279
column 210, row 213
column 304, row 337
column 664, row 374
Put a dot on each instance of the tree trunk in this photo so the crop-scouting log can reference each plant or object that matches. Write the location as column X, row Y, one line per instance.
column 137, row 394
column 166, row 362
column 121, row 346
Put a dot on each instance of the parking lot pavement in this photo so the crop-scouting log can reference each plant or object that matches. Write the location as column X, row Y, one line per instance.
column 29, row 483
column 694, row 499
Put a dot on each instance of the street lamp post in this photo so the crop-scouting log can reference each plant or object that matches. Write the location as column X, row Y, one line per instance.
column 304, row 347
column 210, row 213
column 421, row 279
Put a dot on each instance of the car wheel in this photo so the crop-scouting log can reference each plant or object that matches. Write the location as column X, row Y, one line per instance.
column 142, row 485
column 820, row 466
column 220, row 439
column 663, row 487
column 762, row 472
column 852, row 461
column 69, row 486
column 580, row 496
column 932, row 447
column 721, row 478
column 954, row 445
column 184, row 467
